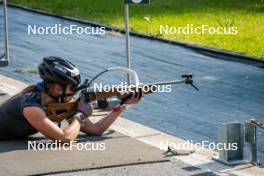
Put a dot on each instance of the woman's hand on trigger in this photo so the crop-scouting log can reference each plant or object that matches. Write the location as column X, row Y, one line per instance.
column 135, row 97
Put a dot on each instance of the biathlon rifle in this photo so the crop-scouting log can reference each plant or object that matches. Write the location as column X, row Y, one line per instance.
column 59, row 111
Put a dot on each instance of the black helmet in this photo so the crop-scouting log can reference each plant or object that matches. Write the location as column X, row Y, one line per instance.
column 57, row 70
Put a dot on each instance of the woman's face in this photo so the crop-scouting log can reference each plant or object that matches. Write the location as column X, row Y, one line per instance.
column 68, row 94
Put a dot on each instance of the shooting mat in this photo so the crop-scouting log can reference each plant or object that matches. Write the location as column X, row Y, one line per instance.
column 120, row 150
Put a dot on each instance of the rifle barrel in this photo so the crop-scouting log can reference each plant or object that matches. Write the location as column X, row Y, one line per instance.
column 168, row 82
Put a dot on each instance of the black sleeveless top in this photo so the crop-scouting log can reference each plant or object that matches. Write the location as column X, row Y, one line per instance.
column 13, row 124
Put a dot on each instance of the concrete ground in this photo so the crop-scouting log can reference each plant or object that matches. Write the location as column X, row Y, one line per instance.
column 158, row 169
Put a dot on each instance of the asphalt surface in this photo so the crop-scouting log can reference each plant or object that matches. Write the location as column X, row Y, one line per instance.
column 229, row 91
column 157, row 169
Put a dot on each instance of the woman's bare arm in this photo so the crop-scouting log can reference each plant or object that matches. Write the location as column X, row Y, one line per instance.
column 38, row 119
column 99, row 127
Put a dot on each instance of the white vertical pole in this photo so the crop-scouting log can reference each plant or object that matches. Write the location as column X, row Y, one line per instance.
column 127, row 40
column 5, row 31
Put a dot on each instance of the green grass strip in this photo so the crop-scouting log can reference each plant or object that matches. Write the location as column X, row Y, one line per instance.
column 246, row 15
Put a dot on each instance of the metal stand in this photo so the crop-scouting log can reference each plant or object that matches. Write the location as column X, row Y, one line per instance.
column 127, row 40
column 5, row 57
column 250, row 138
column 126, row 9
column 231, row 133
column 240, row 134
